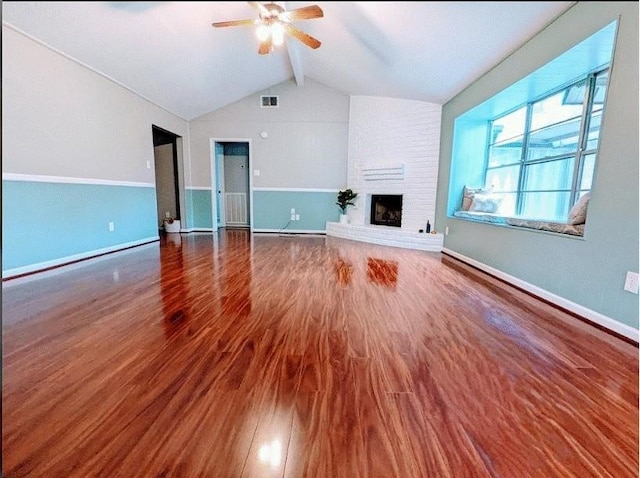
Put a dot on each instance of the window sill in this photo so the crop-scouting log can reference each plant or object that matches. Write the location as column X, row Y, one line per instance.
column 560, row 228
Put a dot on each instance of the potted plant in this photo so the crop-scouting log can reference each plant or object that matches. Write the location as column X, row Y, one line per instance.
column 345, row 199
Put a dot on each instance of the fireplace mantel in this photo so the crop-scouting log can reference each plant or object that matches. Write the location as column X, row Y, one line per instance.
column 386, row 236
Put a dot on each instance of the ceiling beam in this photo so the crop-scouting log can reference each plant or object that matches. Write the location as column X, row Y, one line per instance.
column 293, row 50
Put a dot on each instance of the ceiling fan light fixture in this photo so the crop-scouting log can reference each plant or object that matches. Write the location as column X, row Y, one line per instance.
column 274, row 22
column 277, row 33
column 263, row 32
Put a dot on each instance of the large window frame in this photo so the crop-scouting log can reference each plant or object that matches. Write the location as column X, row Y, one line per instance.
column 569, row 171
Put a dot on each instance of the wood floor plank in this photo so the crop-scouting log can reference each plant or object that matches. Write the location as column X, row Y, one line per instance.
column 242, row 355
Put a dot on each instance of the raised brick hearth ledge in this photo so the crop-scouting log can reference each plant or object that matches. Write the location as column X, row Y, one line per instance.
column 386, row 236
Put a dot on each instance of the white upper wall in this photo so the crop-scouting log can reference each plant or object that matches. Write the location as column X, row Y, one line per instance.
column 60, row 118
column 307, row 139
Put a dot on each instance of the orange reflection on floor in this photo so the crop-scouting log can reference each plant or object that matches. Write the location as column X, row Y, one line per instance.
column 382, row 272
column 344, row 271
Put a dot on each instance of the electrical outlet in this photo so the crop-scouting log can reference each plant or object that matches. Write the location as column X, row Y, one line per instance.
column 167, row 214
column 297, row 217
column 293, row 211
column 631, row 282
column 293, row 217
column 446, row 231
column 112, row 227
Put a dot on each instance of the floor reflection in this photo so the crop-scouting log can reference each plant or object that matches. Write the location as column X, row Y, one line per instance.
column 382, row 272
column 344, row 271
column 173, row 286
column 234, row 272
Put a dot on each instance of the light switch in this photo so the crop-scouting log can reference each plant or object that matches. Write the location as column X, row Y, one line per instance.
column 256, row 172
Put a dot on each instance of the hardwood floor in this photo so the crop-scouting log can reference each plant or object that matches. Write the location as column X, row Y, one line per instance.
column 268, row 356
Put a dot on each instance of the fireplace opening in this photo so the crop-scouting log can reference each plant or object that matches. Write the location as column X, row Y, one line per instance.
column 386, row 209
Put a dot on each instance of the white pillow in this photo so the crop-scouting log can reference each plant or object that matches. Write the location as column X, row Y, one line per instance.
column 467, row 196
column 578, row 213
column 485, row 203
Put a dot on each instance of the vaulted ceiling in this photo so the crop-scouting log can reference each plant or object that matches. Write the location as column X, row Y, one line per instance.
column 169, row 53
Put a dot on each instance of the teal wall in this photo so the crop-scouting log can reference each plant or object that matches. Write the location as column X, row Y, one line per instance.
column 272, row 210
column 200, row 202
column 467, row 165
column 44, row 222
column 589, row 271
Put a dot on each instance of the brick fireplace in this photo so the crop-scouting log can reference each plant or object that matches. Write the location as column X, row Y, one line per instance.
column 394, row 147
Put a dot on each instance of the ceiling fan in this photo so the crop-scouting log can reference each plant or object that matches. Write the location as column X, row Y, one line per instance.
column 274, row 21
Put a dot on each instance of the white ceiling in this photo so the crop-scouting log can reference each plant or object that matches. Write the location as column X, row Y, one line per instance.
column 169, row 53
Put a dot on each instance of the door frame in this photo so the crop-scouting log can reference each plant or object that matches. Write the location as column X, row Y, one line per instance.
column 214, row 173
column 178, row 171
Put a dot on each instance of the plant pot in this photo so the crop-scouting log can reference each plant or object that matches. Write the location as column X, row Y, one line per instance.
column 172, row 227
column 344, row 219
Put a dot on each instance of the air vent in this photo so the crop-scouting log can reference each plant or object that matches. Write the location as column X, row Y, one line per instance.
column 268, row 101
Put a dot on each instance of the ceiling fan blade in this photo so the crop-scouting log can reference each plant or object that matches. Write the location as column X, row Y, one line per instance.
column 302, row 36
column 265, row 47
column 304, row 13
column 233, row 23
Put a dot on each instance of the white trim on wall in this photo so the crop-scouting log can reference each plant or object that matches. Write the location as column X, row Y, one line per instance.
column 299, row 190
column 198, row 188
column 41, row 266
column 591, row 315
column 67, row 180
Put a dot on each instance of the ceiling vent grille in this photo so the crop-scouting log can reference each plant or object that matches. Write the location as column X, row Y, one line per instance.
column 267, row 101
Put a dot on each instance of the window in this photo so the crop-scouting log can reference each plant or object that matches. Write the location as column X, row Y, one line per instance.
column 535, row 143
column 541, row 157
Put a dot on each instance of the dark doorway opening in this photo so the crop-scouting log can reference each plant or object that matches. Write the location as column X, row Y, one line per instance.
column 165, row 149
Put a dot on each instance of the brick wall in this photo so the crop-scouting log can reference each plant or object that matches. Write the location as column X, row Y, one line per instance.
column 390, row 132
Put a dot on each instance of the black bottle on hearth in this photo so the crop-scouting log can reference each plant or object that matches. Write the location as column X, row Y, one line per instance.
column 428, row 229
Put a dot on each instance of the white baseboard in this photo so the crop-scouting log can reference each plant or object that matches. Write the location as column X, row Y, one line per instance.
column 40, row 266
column 292, row 231
column 588, row 314
column 197, row 229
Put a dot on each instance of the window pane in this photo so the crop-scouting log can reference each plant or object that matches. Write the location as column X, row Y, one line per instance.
column 508, row 152
column 508, row 204
column 588, row 166
column 594, row 130
column 508, row 127
column 503, row 179
column 558, row 108
column 560, row 138
column 601, row 89
column 549, row 206
column 550, row 175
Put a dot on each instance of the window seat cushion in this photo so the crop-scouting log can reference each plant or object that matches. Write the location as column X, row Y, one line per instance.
column 557, row 227
column 481, row 216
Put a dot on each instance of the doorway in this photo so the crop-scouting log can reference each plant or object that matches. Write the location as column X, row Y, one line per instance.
column 231, row 182
column 167, row 173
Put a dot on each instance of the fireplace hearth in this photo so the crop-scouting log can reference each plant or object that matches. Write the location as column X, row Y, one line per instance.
column 386, row 210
